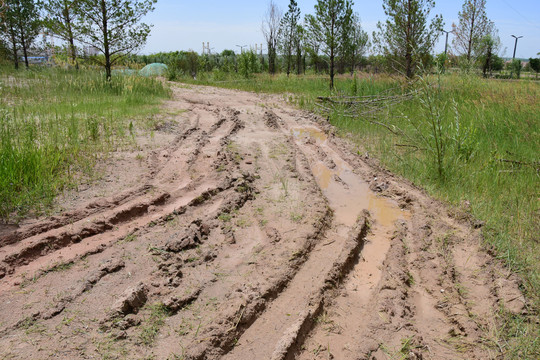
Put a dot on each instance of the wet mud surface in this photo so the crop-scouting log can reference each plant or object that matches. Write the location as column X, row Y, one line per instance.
column 246, row 230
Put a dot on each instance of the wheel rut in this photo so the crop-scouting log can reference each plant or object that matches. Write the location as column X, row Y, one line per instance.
column 348, row 197
column 99, row 223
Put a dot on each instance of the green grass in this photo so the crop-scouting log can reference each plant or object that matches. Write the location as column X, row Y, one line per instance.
column 157, row 313
column 55, row 124
column 490, row 164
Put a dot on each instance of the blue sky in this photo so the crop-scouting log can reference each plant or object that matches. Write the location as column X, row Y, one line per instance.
column 184, row 25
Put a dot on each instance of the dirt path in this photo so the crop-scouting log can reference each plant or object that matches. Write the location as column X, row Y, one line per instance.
column 249, row 231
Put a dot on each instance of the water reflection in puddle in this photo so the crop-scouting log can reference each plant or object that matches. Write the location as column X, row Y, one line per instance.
column 347, row 194
column 314, row 133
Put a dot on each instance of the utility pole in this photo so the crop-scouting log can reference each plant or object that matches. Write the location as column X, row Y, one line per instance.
column 515, row 45
column 514, row 56
column 446, row 48
column 241, row 48
column 206, row 48
column 446, row 43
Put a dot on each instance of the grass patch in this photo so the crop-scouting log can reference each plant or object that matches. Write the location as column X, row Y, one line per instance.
column 153, row 323
column 56, row 124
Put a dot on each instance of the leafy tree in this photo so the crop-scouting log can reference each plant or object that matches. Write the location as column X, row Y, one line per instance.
column 497, row 63
column 60, row 19
column 312, row 46
column 516, row 67
column 473, row 26
column 288, row 34
column 248, row 63
column 488, row 47
column 270, row 29
column 327, row 26
column 355, row 43
column 441, row 60
column 535, row 65
column 407, row 36
column 113, row 27
column 20, row 26
column 299, row 44
column 8, row 34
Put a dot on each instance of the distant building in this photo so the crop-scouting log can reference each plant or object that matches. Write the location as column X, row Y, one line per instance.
column 90, row 51
column 36, row 59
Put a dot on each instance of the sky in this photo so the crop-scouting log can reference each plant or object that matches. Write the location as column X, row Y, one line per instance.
column 184, row 25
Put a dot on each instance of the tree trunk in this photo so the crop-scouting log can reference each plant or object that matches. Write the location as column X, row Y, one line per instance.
column 271, row 59
column 14, row 47
column 298, row 61
column 73, row 52
column 25, row 50
column 408, row 47
column 469, row 49
column 332, row 46
column 71, row 41
column 106, row 40
column 289, row 61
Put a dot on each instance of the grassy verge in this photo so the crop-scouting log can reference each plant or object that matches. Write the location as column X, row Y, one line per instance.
column 490, row 136
column 54, row 125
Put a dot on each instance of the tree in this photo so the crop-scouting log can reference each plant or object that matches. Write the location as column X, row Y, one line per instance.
column 20, row 27
column 489, row 47
column 288, row 34
column 299, row 46
column 270, row 29
column 8, row 34
column 60, row 19
column 407, row 37
column 248, row 63
column 113, row 27
column 516, row 66
column 473, row 26
column 327, row 26
column 356, row 42
column 535, row 65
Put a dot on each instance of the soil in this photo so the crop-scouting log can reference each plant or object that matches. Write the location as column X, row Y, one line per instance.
column 245, row 229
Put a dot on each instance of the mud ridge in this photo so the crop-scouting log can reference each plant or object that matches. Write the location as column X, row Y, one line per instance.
column 222, row 342
column 52, row 243
column 71, row 216
column 292, row 341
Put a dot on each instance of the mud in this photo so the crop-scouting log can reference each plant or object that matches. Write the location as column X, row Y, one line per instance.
column 244, row 229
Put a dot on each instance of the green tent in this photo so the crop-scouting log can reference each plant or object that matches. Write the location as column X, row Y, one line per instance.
column 155, row 69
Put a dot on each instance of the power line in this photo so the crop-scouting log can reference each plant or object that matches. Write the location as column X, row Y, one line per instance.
column 517, row 12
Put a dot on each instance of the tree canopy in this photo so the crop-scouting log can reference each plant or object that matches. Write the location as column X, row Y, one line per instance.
column 473, row 26
column 113, row 27
column 408, row 35
column 327, row 28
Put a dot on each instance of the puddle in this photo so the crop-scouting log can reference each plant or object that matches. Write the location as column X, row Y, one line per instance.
column 347, row 194
column 322, row 174
column 314, row 133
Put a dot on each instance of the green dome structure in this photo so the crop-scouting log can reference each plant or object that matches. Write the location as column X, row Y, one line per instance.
column 155, row 69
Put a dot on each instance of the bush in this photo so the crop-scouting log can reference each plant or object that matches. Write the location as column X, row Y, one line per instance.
column 248, row 64
column 516, row 67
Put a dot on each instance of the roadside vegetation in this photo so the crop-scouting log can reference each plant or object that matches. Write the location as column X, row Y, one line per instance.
column 55, row 124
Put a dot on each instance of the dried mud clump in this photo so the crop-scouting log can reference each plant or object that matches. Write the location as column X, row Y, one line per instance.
column 131, row 300
column 194, row 235
column 271, row 120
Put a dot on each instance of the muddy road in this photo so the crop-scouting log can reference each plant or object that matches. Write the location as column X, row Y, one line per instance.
column 244, row 229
